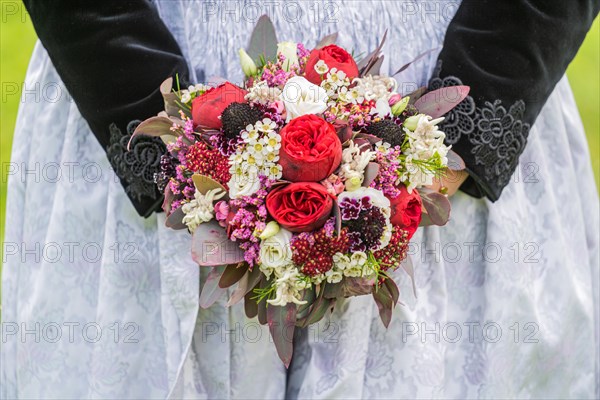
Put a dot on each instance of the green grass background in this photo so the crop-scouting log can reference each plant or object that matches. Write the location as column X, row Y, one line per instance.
column 17, row 39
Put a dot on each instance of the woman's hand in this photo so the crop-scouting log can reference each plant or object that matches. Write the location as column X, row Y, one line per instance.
column 449, row 182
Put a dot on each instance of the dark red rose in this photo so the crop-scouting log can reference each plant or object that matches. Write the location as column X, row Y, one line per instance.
column 301, row 206
column 335, row 57
column 207, row 108
column 310, row 149
column 406, row 211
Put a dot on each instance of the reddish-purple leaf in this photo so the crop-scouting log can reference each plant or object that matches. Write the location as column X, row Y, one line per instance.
column 263, row 42
column 437, row 206
column 153, row 126
column 455, row 162
column 407, row 266
column 415, row 60
column 211, row 291
column 212, row 247
column 356, row 287
column 416, row 95
column 385, row 304
column 232, row 275
column 282, row 321
column 327, row 40
column 393, row 289
column 337, row 214
column 371, row 172
column 438, row 102
column 366, row 63
column 174, row 220
column 250, row 306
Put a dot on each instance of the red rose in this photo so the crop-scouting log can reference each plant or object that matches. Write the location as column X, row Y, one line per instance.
column 310, row 149
column 301, row 206
column 406, row 211
column 335, row 57
column 207, row 108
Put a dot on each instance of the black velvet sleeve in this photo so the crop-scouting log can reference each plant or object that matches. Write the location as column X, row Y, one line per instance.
column 112, row 57
column 512, row 53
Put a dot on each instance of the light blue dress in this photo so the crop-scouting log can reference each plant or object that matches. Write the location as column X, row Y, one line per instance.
column 106, row 305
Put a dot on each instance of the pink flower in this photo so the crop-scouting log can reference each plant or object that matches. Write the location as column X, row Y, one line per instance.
column 333, row 184
column 394, row 99
column 222, row 212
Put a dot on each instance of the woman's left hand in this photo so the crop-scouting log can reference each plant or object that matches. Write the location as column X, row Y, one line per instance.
column 449, row 182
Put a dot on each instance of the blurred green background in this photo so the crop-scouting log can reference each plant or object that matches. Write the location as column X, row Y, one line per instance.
column 17, row 39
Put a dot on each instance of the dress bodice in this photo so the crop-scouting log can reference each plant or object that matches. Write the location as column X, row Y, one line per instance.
column 211, row 32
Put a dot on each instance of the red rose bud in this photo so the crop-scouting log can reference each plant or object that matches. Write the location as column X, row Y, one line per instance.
column 310, row 149
column 406, row 211
column 335, row 57
column 301, row 206
column 207, row 108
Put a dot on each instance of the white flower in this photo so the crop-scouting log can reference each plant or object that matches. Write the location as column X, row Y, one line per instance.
column 321, row 67
column 248, row 65
column 376, row 196
column 289, row 51
column 354, row 162
column 261, row 93
column 186, row 96
column 244, row 181
column 272, row 142
column 377, row 87
column 201, row 208
column 334, row 275
column 265, row 126
column 301, row 97
column 382, row 108
column 276, row 251
column 287, row 288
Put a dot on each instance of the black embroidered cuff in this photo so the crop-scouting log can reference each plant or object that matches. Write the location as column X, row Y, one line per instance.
column 137, row 167
column 488, row 137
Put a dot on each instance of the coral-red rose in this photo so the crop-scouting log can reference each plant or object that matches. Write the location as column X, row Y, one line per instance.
column 335, row 57
column 406, row 211
column 310, row 149
column 207, row 108
column 301, row 206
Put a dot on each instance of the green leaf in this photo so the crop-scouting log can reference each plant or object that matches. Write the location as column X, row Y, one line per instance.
column 263, row 42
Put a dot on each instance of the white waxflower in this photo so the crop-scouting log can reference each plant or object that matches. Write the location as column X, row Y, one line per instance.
column 321, row 67
column 272, row 142
column 244, row 181
column 265, row 126
column 261, row 93
column 301, row 97
column 272, row 171
column 289, row 51
column 201, row 208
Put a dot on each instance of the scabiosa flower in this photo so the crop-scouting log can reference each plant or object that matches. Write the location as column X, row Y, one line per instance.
column 366, row 214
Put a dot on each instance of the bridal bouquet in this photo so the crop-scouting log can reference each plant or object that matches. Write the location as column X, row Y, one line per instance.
column 305, row 183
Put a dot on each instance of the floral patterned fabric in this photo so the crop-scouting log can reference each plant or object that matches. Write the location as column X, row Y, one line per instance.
column 507, row 293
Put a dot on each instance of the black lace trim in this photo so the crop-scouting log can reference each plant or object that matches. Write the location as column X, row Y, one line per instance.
column 135, row 167
column 498, row 136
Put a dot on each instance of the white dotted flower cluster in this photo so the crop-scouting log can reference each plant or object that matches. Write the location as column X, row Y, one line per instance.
column 258, row 155
column 201, row 209
column 352, row 266
column 336, row 84
column 426, row 148
column 191, row 92
column 261, row 93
